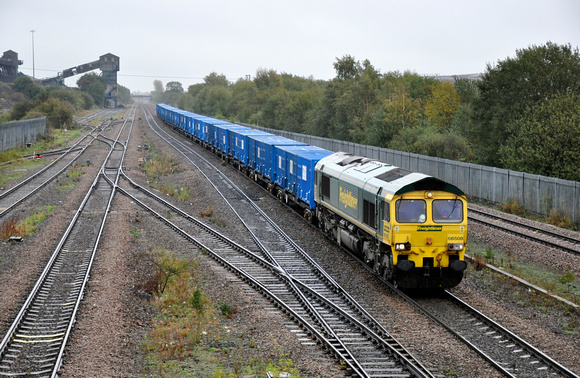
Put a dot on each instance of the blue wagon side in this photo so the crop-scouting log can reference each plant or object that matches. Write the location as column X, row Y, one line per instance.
column 262, row 152
column 221, row 140
column 296, row 172
column 242, row 146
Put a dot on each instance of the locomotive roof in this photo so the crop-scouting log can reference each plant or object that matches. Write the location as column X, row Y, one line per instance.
column 374, row 175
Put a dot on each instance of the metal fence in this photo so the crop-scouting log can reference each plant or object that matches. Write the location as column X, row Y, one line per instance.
column 20, row 133
column 536, row 193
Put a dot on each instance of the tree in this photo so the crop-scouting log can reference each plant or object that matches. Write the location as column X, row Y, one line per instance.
column 173, row 93
column 124, row 94
column 212, row 100
column 467, row 89
column 545, row 139
column 20, row 110
column 426, row 139
column 297, row 108
column 401, row 109
column 244, row 102
column 66, row 95
column 350, row 102
column 174, row 86
column 215, row 79
column 157, row 90
column 267, row 79
column 347, row 68
column 59, row 114
column 515, row 85
column 442, row 105
column 94, row 85
column 26, row 86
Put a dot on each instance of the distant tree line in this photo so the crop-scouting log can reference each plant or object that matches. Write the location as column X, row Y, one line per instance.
column 524, row 113
column 57, row 103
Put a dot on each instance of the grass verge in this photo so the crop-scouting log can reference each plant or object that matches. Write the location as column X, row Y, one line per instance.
column 547, row 277
column 192, row 335
column 212, row 217
column 25, row 227
column 180, row 193
column 19, row 166
column 158, row 165
column 71, row 178
column 508, row 291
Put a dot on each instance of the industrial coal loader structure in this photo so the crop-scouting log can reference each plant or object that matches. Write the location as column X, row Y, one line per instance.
column 109, row 64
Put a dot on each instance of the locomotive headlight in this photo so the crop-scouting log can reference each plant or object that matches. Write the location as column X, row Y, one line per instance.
column 429, row 195
column 455, row 246
column 403, row 246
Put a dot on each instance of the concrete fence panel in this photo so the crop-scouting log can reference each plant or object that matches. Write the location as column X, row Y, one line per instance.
column 531, row 192
column 500, row 183
column 548, row 193
column 564, row 199
column 515, row 184
column 19, row 133
column 462, row 176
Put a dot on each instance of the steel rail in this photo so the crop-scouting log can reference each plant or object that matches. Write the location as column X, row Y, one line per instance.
column 274, row 266
column 531, row 228
column 504, row 371
column 497, row 365
column 535, row 238
column 561, row 369
column 39, row 187
column 494, row 363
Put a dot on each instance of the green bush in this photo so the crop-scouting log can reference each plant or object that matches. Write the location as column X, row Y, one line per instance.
column 512, row 206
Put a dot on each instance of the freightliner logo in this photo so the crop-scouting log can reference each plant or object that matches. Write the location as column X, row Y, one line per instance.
column 429, row 228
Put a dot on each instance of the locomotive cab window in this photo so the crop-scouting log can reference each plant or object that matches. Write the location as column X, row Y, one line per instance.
column 411, row 211
column 386, row 211
column 448, row 211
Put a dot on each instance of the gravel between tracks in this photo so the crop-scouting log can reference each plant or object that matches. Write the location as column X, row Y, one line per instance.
column 116, row 315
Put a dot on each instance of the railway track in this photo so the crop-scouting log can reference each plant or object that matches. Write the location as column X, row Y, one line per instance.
column 19, row 193
column 538, row 234
column 280, row 270
column 509, row 353
column 34, row 344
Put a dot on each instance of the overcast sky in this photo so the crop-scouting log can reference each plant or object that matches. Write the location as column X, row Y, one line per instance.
column 188, row 39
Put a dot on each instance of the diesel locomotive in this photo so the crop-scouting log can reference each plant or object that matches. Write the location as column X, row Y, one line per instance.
column 410, row 227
